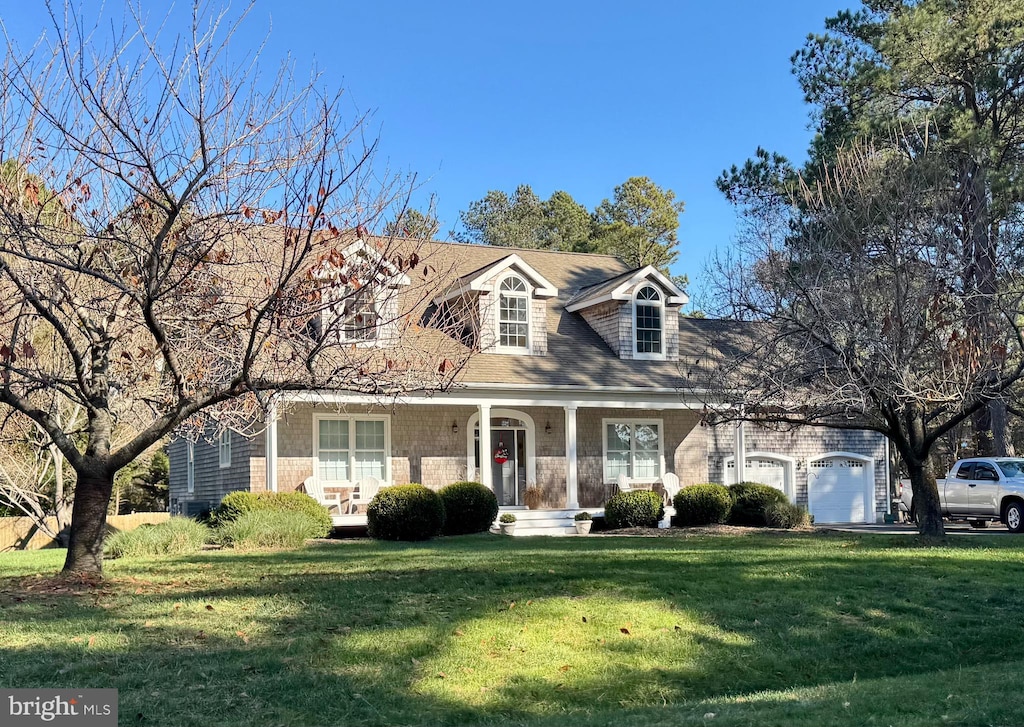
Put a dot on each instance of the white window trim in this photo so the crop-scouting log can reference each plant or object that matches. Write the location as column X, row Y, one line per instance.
column 224, row 449
column 632, row 464
column 529, row 295
column 190, row 467
column 660, row 304
column 351, row 419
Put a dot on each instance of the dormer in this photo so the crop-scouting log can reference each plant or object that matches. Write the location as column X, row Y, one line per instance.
column 636, row 313
column 361, row 296
column 502, row 306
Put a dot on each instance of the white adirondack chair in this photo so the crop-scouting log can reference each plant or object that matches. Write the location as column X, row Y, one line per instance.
column 670, row 483
column 624, row 484
column 365, row 491
column 315, row 489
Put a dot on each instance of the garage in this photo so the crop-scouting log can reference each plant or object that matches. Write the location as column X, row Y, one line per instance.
column 771, row 470
column 840, row 489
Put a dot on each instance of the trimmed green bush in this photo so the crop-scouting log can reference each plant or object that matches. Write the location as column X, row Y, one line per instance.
column 266, row 529
column 507, row 518
column 469, row 507
column 405, row 512
column 634, row 509
column 239, row 502
column 786, row 515
column 750, row 501
column 179, row 535
column 702, row 504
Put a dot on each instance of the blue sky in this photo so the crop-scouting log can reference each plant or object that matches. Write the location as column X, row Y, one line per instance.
column 578, row 96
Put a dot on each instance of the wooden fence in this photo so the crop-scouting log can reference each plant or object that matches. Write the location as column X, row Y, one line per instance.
column 20, row 533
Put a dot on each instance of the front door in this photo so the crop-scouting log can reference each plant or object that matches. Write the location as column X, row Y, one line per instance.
column 508, row 465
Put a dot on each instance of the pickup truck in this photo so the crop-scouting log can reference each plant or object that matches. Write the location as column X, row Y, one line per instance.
column 979, row 490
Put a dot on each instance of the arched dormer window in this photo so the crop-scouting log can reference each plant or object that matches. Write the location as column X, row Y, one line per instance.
column 648, row 323
column 513, row 314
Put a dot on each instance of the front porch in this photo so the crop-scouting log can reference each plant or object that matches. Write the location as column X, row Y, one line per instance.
column 573, row 451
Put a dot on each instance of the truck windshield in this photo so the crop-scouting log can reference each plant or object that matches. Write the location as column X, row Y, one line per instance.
column 1012, row 467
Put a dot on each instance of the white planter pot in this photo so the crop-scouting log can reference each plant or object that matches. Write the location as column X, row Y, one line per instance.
column 507, row 528
column 583, row 526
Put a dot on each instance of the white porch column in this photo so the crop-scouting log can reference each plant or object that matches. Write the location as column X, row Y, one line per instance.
column 485, row 446
column 270, row 454
column 572, row 499
column 740, row 453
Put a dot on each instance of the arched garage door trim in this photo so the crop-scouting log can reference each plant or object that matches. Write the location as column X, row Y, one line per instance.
column 869, row 484
column 788, row 467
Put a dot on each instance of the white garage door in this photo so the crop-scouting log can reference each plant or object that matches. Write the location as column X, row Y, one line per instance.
column 837, row 490
column 766, row 471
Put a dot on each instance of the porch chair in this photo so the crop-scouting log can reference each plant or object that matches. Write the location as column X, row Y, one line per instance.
column 315, row 489
column 365, row 491
column 624, row 484
column 670, row 483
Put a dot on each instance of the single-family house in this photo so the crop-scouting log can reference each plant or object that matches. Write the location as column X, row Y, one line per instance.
column 577, row 379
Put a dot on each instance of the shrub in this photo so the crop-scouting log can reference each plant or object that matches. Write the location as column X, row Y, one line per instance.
column 582, row 517
column 266, row 529
column 469, row 507
column 178, row 535
column 239, row 502
column 786, row 515
column 702, row 505
column 533, row 498
column 634, row 509
column 507, row 518
column 750, row 501
column 405, row 512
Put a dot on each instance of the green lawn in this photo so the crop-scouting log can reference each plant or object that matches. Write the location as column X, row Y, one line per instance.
column 795, row 630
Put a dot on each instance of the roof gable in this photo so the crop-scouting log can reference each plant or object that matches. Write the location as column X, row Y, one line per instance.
column 620, row 287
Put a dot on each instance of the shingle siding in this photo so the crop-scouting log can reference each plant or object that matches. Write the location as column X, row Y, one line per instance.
column 803, row 444
column 211, row 481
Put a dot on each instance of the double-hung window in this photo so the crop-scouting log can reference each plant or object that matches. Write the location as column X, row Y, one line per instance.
column 350, row 449
column 360, row 318
column 513, row 314
column 224, row 449
column 190, row 466
column 632, row 448
column 647, row 320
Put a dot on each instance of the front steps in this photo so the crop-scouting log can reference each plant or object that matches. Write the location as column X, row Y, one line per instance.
column 541, row 522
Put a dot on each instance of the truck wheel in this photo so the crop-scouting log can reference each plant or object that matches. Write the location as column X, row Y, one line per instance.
column 979, row 523
column 1014, row 517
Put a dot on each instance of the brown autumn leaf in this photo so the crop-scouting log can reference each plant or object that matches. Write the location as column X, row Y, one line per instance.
column 564, row 667
column 92, row 641
column 625, row 631
column 442, row 675
column 209, row 607
column 458, row 632
column 243, row 636
column 584, row 619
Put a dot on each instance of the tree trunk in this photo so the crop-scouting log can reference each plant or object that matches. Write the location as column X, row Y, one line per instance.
column 89, row 522
column 1002, row 442
column 926, row 499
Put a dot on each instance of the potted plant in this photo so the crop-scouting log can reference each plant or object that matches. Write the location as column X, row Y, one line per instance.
column 507, row 523
column 583, row 523
column 533, row 497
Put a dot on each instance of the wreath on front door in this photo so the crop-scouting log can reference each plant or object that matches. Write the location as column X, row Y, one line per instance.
column 501, row 453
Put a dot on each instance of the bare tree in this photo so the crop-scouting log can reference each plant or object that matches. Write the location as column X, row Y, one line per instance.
column 861, row 311
column 189, row 236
